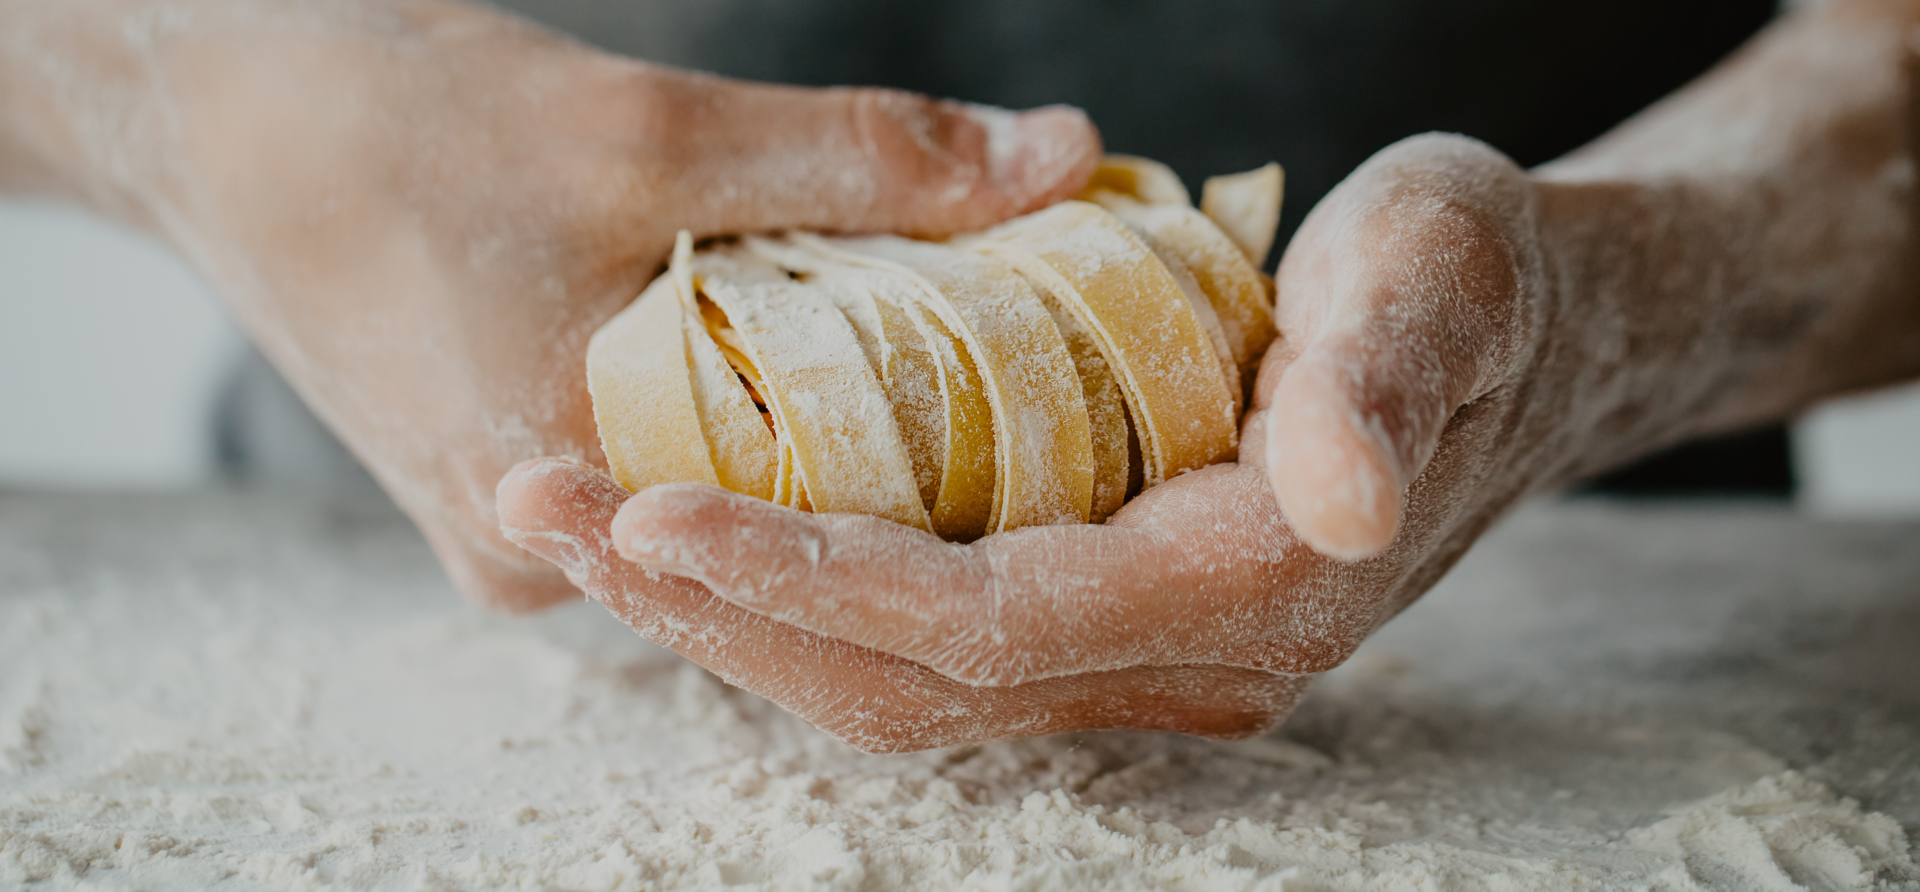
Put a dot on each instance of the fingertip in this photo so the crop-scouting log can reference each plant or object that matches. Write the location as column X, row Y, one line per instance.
column 553, row 493
column 1354, row 535
column 514, row 494
column 865, row 159
column 655, row 517
column 1333, row 473
column 1344, row 505
column 951, row 166
column 558, row 509
column 1040, row 156
column 661, row 514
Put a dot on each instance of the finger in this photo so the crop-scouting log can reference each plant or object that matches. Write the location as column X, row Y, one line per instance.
column 559, row 509
column 1399, row 298
column 1332, row 456
column 1198, row 570
column 869, row 699
column 884, row 704
column 761, row 156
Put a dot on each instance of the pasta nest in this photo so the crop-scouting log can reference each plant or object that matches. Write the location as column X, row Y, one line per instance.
column 1041, row 372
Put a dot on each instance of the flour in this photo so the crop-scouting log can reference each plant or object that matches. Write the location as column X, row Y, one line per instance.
column 1781, row 832
column 256, row 693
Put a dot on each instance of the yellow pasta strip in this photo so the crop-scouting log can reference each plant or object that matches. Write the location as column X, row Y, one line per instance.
column 638, row 374
column 1044, row 447
column 1247, row 207
column 1240, row 294
column 1143, row 178
column 1147, row 328
column 963, row 429
column 1039, row 373
column 1106, row 407
column 846, row 450
column 896, row 349
column 745, row 455
column 1203, row 311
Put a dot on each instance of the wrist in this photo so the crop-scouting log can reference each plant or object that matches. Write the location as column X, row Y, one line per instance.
column 1686, row 307
column 1744, row 248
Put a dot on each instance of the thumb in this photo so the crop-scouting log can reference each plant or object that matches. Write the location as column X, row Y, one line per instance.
column 1346, row 442
column 763, row 156
column 1405, row 290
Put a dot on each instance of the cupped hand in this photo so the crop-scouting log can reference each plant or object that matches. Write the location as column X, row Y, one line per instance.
column 422, row 210
column 1395, row 420
column 874, row 699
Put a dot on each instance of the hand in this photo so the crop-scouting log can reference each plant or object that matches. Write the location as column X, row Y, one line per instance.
column 872, row 699
column 1407, row 295
column 421, row 210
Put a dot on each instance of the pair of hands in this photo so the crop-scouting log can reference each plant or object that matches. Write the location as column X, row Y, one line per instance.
column 425, row 245
column 421, row 210
column 1196, row 608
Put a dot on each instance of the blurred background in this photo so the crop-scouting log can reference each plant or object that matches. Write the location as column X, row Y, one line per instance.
column 122, row 370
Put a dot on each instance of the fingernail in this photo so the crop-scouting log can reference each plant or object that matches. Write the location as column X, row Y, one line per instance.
column 1032, row 153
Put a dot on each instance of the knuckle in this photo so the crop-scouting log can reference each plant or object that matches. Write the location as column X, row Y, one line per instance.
column 920, row 148
column 646, row 107
column 895, row 120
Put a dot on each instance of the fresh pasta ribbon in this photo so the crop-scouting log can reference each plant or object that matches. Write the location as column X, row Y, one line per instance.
column 1144, row 323
column 1223, row 253
column 1041, row 372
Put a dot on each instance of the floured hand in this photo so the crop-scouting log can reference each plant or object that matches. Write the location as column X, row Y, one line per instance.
column 421, row 210
column 888, row 702
column 1195, row 608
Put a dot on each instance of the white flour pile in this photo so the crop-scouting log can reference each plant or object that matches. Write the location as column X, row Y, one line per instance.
column 222, row 692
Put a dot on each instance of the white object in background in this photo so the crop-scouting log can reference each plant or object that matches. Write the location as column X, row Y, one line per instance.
column 111, row 353
column 1860, row 456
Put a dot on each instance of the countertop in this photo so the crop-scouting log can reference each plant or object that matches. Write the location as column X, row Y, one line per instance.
column 272, row 688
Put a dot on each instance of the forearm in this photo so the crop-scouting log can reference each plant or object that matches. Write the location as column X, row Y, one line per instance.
column 80, row 116
column 1747, row 246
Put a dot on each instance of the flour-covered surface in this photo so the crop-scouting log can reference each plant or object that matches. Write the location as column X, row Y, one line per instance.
column 237, row 691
